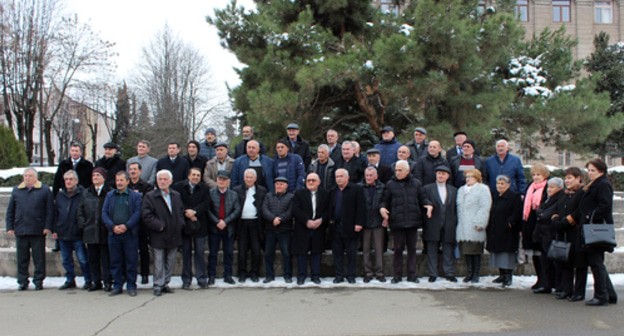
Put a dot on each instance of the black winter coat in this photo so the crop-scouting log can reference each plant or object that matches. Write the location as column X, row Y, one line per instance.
column 444, row 217
column 567, row 205
column 528, row 227
column 353, row 211
column 66, row 215
column 179, row 167
column 305, row 239
column 425, row 168
column 278, row 206
column 404, row 199
column 30, row 211
column 503, row 230
column 302, row 148
column 90, row 216
column 165, row 227
column 233, row 210
column 373, row 195
column 328, row 180
column 261, row 192
column 597, row 200
column 199, row 201
column 112, row 166
column 83, row 169
column 544, row 230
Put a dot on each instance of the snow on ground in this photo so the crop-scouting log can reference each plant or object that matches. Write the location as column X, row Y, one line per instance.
column 6, row 173
column 519, row 282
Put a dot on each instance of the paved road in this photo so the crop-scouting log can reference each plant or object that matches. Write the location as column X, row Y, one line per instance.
column 306, row 311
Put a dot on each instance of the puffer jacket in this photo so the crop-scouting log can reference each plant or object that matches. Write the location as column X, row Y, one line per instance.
column 404, row 199
column 278, row 206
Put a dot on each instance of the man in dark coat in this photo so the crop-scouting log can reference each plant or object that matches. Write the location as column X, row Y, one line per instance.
column 353, row 164
column 440, row 228
column 121, row 213
column 277, row 215
column 334, row 147
column 195, row 197
column 112, row 162
column 388, row 146
column 94, row 232
column 419, row 145
column 384, row 173
column 466, row 161
column 223, row 214
column 347, row 212
column 298, row 145
column 374, row 226
column 135, row 171
column 241, row 148
column 250, row 226
column 310, row 208
column 76, row 162
column 288, row 165
column 325, row 167
column 194, row 158
column 402, row 205
column 68, row 233
column 29, row 218
column 425, row 167
column 163, row 214
column 173, row 162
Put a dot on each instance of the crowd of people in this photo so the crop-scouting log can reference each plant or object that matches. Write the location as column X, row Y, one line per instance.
column 117, row 216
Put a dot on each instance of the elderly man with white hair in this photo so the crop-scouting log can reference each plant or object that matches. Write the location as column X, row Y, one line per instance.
column 163, row 214
column 402, row 205
column 504, row 163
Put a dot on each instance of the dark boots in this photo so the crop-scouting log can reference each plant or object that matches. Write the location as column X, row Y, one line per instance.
column 501, row 275
column 469, row 268
column 476, row 268
column 507, row 277
column 537, row 264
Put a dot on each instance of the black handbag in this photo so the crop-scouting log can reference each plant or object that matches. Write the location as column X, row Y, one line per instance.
column 599, row 236
column 559, row 250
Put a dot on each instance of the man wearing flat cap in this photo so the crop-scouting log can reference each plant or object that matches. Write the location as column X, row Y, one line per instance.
column 418, row 146
column 278, row 219
column 221, row 161
column 298, row 145
column 223, row 214
column 207, row 146
column 439, row 229
column 112, row 162
column 388, row 146
column 241, row 148
column 384, row 173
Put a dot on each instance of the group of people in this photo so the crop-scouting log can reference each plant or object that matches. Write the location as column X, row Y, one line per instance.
column 342, row 199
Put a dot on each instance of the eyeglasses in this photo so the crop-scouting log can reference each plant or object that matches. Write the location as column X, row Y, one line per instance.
column 309, row 180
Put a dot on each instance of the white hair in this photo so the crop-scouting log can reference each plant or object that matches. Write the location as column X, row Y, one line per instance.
column 164, row 172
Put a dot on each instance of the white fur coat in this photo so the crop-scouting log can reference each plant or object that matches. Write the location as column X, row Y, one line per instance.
column 473, row 210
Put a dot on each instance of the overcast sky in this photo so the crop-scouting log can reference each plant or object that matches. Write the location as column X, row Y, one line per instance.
column 131, row 24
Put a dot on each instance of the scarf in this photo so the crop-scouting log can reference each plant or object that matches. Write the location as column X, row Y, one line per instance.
column 533, row 198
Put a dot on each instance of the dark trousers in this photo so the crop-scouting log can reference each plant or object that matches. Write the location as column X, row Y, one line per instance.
column 315, row 265
column 548, row 266
column 580, row 273
column 144, row 251
column 377, row 237
column 99, row 263
column 272, row 239
column 123, row 250
column 193, row 252
column 248, row 240
column 404, row 238
column 565, row 277
column 603, row 287
column 448, row 264
column 214, row 243
column 26, row 245
column 340, row 247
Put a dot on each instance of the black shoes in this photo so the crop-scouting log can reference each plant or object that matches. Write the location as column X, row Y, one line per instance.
column 562, row 296
column 203, row 285
column 433, row 279
column 498, row 279
column 242, row 279
column 87, row 286
column 186, row 286
column 157, row 292
column 144, row 279
column 300, row 281
column 542, row 290
column 68, row 285
column 115, row 292
column 254, row 279
column 288, row 279
column 451, row 278
column 132, row 292
column 381, row 278
column 575, row 298
column 413, row 279
column 268, row 280
column 167, row 289
column 211, row 281
column 38, row 287
column 396, row 280
column 596, row 302
column 351, row 280
column 95, row 286
column 108, row 287
column 367, row 279
column 22, row 287
column 316, row 280
column 338, row 280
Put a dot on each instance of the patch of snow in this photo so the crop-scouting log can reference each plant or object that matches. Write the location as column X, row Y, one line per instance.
column 406, row 29
column 369, row 65
column 6, row 173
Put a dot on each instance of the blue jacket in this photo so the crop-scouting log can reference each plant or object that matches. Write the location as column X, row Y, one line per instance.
column 295, row 171
column 30, row 211
column 207, row 149
column 135, row 211
column 510, row 166
column 242, row 163
column 66, row 215
column 388, row 151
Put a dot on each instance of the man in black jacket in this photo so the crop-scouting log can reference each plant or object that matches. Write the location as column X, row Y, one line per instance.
column 135, row 171
column 112, row 162
column 76, row 162
column 195, row 197
column 162, row 211
column 173, row 162
column 251, row 197
column 374, row 226
column 298, row 145
column 348, row 209
column 68, row 233
column 277, row 214
column 401, row 205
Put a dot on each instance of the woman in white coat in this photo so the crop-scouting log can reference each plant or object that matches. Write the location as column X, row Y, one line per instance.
column 474, row 201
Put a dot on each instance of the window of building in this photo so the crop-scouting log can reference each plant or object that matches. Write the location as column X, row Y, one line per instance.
column 603, row 12
column 561, row 10
column 522, row 10
column 565, row 159
column 390, row 6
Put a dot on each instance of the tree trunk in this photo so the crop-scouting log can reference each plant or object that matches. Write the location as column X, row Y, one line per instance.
column 362, row 95
column 47, row 134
